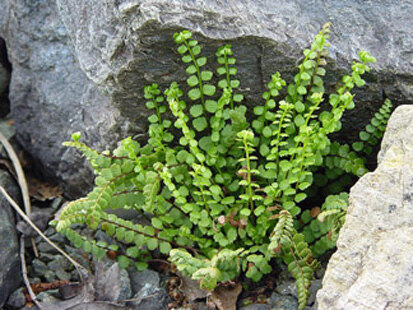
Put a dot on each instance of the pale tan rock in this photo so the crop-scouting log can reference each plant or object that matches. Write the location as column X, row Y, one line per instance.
column 373, row 265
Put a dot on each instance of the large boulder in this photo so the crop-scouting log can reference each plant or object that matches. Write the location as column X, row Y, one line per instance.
column 373, row 267
column 81, row 65
column 9, row 246
column 50, row 95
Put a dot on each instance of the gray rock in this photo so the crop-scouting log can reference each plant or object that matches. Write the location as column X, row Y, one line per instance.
column 97, row 306
column 85, row 68
column 128, row 34
column 59, row 263
column 78, row 255
column 256, row 307
column 39, row 217
column 319, row 274
column 287, row 287
column 9, row 246
column 34, row 280
column 8, row 131
column 102, row 236
column 150, row 298
column 125, row 286
column 372, row 268
column 63, row 275
column 50, row 94
column 39, row 267
column 49, row 231
column 286, row 283
column 48, row 296
column 46, row 257
column 57, row 202
column 58, row 238
column 314, row 288
column 113, row 283
column 283, row 302
column 195, row 306
column 46, row 248
column 17, row 299
column 49, row 276
column 139, row 279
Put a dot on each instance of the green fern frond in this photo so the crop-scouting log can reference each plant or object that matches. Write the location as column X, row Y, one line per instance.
column 302, row 266
column 374, row 131
column 218, row 184
column 185, row 262
column 97, row 159
column 282, row 233
column 224, row 266
column 74, row 212
column 150, row 190
column 291, row 246
column 322, row 231
column 208, row 277
column 341, row 157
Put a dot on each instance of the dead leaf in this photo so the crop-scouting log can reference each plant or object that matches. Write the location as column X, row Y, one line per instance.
column 330, row 235
column 277, row 248
column 105, row 284
column 225, row 296
column 43, row 191
column 42, row 287
column 314, row 212
column 86, row 295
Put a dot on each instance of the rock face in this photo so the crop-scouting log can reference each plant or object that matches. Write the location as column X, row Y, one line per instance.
column 9, row 246
column 50, row 95
column 373, row 267
column 84, row 69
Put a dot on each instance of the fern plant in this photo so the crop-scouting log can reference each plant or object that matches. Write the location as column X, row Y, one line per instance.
column 225, row 196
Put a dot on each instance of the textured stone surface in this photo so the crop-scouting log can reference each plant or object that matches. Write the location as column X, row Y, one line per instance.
column 256, row 307
column 285, row 302
column 50, row 95
column 138, row 279
column 84, row 69
column 373, row 267
column 9, row 246
column 150, row 298
column 17, row 299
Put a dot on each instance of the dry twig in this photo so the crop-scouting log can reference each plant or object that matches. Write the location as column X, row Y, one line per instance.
column 29, row 221
column 21, row 178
